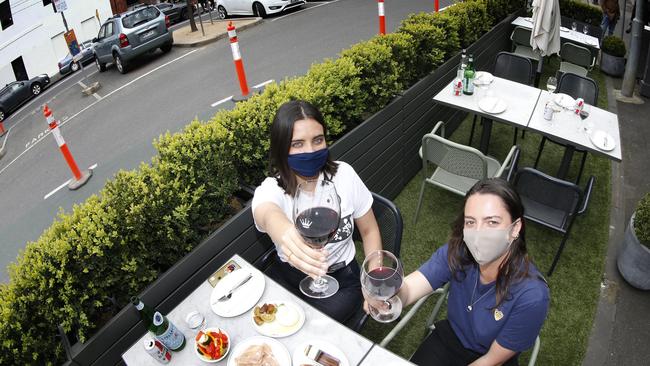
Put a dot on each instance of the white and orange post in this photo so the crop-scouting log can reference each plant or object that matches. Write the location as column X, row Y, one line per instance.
column 239, row 64
column 79, row 178
column 436, row 5
column 382, row 17
column 2, row 129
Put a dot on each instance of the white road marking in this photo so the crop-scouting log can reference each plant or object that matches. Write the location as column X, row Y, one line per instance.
column 227, row 99
column 93, row 104
column 300, row 11
column 85, row 87
column 262, row 84
column 65, row 184
column 5, row 141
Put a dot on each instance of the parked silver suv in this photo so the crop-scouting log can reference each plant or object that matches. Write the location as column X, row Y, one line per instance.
column 128, row 35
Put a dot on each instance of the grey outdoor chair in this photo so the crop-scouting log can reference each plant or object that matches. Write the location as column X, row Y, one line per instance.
column 552, row 202
column 430, row 326
column 578, row 87
column 576, row 59
column 458, row 166
column 520, row 38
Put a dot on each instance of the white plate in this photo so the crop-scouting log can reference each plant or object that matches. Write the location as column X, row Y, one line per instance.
column 603, row 140
column 563, row 29
column 299, row 357
column 280, row 352
column 483, row 78
column 492, row 105
column 242, row 299
column 288, row 320
column 200, row 356
column 564, row 100
column 529, row 20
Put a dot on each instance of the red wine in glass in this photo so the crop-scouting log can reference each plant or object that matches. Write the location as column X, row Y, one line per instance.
column 383, row 282
column 317, row 225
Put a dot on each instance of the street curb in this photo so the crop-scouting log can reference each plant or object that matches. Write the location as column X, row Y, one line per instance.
column 218, row 36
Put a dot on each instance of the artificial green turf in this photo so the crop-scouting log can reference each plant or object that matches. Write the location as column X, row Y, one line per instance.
column 575, row 284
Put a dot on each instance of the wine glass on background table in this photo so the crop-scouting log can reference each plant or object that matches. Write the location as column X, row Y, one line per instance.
column 316, row 216
column 551, row 84
column 574, row 26
column 381, row 279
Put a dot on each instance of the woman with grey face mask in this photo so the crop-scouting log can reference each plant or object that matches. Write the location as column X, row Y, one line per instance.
column 498, row 300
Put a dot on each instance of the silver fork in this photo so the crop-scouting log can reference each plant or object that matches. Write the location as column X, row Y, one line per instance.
column 228, row 295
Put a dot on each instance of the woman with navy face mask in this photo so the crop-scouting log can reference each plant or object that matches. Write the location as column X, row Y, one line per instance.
column 299, row 153
column 497, row 300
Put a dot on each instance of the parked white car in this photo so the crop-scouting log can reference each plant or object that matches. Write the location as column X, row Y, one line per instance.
column 259, row 8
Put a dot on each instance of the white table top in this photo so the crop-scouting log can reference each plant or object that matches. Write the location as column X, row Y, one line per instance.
column 317, row 326
column 566, row 127
column 568, row 34
column 520, row 100
column 381, row 356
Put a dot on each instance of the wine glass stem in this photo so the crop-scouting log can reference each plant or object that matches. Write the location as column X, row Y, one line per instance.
column 319, row 282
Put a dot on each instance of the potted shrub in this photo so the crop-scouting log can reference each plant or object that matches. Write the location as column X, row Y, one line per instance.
column 612, row 61
column 633, row 259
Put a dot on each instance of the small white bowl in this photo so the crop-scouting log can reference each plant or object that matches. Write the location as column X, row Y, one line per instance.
column 203, row 358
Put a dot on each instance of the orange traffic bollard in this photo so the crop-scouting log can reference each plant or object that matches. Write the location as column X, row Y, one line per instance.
column 382, row 18
column 239, row 64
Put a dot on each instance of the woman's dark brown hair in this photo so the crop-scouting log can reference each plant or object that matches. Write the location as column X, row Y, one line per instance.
column 516, row 264
column 281, row 135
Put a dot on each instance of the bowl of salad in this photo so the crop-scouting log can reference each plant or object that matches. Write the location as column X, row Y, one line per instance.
column 212, row 344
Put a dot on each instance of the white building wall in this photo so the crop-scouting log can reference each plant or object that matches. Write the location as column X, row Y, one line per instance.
column 37, row 34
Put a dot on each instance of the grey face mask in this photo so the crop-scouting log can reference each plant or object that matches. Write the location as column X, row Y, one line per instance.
column 488, row 244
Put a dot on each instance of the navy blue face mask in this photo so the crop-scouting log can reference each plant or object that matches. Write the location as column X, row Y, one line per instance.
column 308, row 164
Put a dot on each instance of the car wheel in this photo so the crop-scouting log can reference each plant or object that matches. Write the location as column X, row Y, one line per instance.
column 119, row 63
column 36, row 89
column 258, row 10
column 166, row 47
column 100, row 66
column 221, row 11
column 74, row 67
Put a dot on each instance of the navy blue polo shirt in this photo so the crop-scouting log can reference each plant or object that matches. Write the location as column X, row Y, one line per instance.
column 514, row 324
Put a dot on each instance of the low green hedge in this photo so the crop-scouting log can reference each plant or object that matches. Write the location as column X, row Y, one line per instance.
column 581, row 11
column 143, row 221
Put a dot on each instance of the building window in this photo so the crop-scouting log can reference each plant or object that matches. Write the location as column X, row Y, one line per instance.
column 5, row 15
column 47, row 2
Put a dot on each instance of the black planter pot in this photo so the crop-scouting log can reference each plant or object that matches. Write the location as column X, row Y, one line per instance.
column 612, row 65
column 633, row 260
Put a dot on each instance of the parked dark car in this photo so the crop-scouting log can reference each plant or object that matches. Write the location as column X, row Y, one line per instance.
column 126, row 36
column 15, row 94
column 67, row 65
column 177, row 12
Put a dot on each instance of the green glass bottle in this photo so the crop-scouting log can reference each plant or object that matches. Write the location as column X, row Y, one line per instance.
column 167, row 333
column 146, row 313
column 468, row 77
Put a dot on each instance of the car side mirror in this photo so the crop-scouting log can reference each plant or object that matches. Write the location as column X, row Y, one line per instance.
column 95, row 40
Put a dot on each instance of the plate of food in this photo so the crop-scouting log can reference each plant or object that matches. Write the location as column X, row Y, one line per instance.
column 483, row 78
column 237, row 292
column 564, row 100
column 259, row 351
column 211, row 344
column 318, row 352
column 277, row 318
column 603, row 140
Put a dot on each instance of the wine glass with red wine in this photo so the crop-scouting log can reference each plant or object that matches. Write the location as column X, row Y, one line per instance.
column 381, row 279
column 316, row 215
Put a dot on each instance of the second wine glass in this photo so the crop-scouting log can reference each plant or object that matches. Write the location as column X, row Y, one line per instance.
column 381, row 279
column 316, row 216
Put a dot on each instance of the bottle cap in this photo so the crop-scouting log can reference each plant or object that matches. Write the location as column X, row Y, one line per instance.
column 157, row 319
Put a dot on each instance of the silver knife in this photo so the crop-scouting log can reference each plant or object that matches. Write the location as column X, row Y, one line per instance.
column 229, row 293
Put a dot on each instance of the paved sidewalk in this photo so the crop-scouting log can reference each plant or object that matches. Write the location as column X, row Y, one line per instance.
column 214, row 31
column 621, row 327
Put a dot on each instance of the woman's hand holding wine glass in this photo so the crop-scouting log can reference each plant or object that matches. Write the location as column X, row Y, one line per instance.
column 381, row 280
column 312, row 262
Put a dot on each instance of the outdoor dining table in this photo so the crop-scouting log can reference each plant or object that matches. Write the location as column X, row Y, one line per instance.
column 568, row 128
column 525, row 109
column 520, row 102
column 565, row 33
column 317, row 327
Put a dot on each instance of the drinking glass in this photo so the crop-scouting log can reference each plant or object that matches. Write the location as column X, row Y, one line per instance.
column 194, row 319
column 574, row 26
column 585, row 29
column 551, row 84
column 381, row 279
column 316, row 215
column 586, row 125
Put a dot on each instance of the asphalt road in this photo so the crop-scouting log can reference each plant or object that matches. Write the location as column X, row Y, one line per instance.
column 162, row 92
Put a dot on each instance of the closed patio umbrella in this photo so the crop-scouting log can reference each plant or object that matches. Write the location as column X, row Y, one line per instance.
column 545, row 35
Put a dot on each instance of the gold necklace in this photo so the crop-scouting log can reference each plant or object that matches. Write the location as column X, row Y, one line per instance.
column 470, row 307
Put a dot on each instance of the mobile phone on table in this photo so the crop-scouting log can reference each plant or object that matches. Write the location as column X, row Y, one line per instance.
column 222, row 272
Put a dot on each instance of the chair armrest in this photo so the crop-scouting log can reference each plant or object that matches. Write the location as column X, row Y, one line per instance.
column 587, row 194
column 439, row 126
column 511, row 160
column 593, row 62
column 414, row 309
column 533, row 354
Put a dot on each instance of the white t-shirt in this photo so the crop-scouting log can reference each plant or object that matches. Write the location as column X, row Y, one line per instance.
column 356, row 200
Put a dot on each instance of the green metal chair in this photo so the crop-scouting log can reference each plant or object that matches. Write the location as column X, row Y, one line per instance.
column 458, row 166
column 520, row 38
column 430, row 326
column 576, row 59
